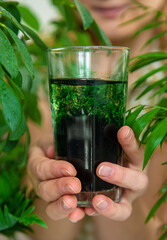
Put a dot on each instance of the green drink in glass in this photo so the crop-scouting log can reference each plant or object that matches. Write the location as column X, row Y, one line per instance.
column 88, row 90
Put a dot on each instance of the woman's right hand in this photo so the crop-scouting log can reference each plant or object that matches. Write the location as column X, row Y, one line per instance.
column 54, row 181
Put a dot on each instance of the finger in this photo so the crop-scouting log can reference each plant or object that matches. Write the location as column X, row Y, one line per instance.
column 91, row 211
column 76, row 215
column 62, row 207
column 115, row 211
column 130, row 146
column 44, row 168
column 49, row 169
column 129, row 178
column 53, row 189
column 50, row 152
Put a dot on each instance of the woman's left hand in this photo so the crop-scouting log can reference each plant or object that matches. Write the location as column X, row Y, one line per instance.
column 130, row 177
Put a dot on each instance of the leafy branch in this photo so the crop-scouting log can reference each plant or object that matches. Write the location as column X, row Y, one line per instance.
column 150, row 122
column 67, row 7
column 16, row 210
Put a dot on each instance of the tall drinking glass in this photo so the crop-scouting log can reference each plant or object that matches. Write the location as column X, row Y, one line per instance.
column 88, row 89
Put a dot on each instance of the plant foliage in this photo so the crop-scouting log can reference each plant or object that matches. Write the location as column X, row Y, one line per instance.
column 150, row 122
column 16, row 210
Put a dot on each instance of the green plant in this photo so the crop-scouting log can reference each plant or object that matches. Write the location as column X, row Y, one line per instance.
column 16, row 98
column 151, row 127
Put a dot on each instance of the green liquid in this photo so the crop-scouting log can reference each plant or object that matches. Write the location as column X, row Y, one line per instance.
column 86, row 115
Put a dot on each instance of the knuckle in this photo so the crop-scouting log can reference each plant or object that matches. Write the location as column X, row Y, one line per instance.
column 42, row 192
column 39, row 169
column 120, row 176
column 52, row 167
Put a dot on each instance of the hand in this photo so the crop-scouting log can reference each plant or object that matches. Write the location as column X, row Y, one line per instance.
column 55, row 182
column 130, row 177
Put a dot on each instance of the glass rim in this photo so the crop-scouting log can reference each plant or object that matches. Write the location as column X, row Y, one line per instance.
column 82, row 48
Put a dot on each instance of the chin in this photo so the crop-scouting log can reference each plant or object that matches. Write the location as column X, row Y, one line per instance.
column 116, row 33
column 119, row 37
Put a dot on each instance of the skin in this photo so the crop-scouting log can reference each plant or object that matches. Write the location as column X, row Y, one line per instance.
column 123, row 11
column 55, row 181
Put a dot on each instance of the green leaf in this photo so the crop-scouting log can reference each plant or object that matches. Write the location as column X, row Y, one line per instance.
column 147, row 75
column 163, row 236
column 133, row 115
column 163, row 103
column 9, row 182
column 88, row 21
column 28, row 217
column 10, row 106
column 158, row 55
column 143, row 121
column 160, row 91
column 100, row 34
column 3, row 126
column 156, row 206
column 164, row 189
column 155, row 38
column 35, row 38
column 9, row 16
column 2, row 73
column 135, row 19
column 86, row 17
column 16, row 87
column 23, row 51
column 19, row 131
column 164, row 163
column 7, row 220
column 151, row 87
column 145, row 59
column 154, row 140
column 83, row 39
column 13, row 155
column 32, row 103
column 149, row 129
column 12, row 9
column 6, row 3
column 29, row 17
column 164, row 227
column 68, row 14
column 24, row 161
column 10, row 145
column 140, row 5
column 7, row 57
column 63, row 2
column 148, row 26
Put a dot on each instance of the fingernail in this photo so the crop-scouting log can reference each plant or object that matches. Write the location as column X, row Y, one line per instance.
column 102, row 205
column 73, row 221
column 128, row 134
column 105, row 171
column 66, row 172
column 91, row 214
column 69, row 188
column 65, row 205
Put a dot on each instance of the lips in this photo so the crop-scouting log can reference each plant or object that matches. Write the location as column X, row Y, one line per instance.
column 110, row 12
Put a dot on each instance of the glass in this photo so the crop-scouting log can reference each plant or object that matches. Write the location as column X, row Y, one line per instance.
column 88, row 90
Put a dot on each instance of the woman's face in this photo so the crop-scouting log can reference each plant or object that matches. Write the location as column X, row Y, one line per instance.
column 109, row 14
